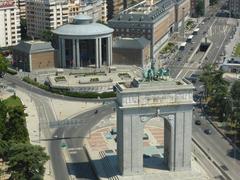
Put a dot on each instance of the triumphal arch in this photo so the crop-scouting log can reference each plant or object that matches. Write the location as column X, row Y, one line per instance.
column 137, row 103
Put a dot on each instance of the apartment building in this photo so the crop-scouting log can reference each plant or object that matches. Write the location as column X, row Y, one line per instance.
column 45, row 15
column 234, row 6
column 114, row 7
column 97, row 9
column 9, row 23
column 22, row 8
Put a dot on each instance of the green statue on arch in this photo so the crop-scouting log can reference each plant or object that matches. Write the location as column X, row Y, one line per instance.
column 152, row 73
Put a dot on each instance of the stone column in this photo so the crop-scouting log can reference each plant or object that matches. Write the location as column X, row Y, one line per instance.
column 129, row 143
column 59, row 52
column 74, row 53
column 63, row 55
column 78, row 54
column 100, row 52
column 109, row 51
column 96, row 53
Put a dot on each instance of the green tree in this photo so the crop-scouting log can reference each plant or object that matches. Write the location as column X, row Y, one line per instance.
column 216, row 91
column 3, row 146
column 3, row 115
column 212, row 2
column 23, row 26
column 47, row 35
column 26, row 161
column 199, row 8
column 235, row 91
column 16, row 125
column 235, row 118
column 3, row 65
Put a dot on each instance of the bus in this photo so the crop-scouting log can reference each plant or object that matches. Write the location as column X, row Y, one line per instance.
column 189, row 39
column 195, row 31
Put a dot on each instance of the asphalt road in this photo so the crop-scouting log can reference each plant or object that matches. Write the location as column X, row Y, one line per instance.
column 215, row 29
column 217, row 147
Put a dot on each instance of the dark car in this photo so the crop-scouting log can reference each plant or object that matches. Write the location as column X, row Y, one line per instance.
column 198, row 122
column 179, row 59
column 208, row 131
column 96, row 112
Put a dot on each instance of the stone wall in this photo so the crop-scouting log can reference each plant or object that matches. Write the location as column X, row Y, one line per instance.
column 43, row 60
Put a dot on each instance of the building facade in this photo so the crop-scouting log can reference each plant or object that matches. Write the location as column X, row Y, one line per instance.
column 234, row 6
column 114, row 7
column 96, row 9
column 45, row 15
column 10, row 34
column 156, row 22
column 33, row 55
column 22, row 8
column 83, row 43
column 131, row 51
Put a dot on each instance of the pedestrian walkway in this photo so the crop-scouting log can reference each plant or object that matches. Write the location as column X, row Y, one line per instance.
column 229, row 48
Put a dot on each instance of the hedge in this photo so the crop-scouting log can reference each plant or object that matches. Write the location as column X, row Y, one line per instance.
column 11, row 71
column 66, row 92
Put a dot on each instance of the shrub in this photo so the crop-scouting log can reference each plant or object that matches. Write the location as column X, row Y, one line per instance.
column 11, row 71
column 60, row 78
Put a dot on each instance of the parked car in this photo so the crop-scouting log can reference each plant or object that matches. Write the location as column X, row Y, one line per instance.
column 208, row 131
column 198, row 122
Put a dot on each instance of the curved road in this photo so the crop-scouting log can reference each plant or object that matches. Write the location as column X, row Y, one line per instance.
column 71, row 136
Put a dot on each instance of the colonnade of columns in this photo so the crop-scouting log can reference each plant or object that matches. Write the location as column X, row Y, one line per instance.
column 76, row 54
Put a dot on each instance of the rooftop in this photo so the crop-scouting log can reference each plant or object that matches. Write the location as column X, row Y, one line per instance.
column 162, row 85
column 34, row 46
column 131, row 43
column 144, row 12
column 83, row 26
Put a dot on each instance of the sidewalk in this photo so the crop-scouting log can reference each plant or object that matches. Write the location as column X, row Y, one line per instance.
column 32, row 121
column 233, row 42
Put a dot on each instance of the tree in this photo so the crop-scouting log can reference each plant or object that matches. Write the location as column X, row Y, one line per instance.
column 47, row 35
column 3, row 148
column 235, row 118
column 27, row 161
column 212, row 2
column 3, row 65
column 16, row 125
column 235, row 91
column 199, row 8
column 23, row 26
column 3, row 115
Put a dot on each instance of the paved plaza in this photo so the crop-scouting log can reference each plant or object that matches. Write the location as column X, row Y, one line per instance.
column 101, row 148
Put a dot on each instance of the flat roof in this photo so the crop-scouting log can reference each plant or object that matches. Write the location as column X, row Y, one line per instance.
column 190, row 37
column 183, row 44
column 196, row 30
column 34, row 46
column 162, row 85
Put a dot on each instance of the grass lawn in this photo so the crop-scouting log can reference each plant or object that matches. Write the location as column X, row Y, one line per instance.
column 13, row 101
column 237, row 50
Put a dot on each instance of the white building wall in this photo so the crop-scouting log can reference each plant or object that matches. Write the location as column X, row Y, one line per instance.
column 45, row 14
column 9, row 26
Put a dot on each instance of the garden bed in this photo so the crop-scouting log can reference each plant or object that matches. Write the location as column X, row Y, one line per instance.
column 60, row 78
